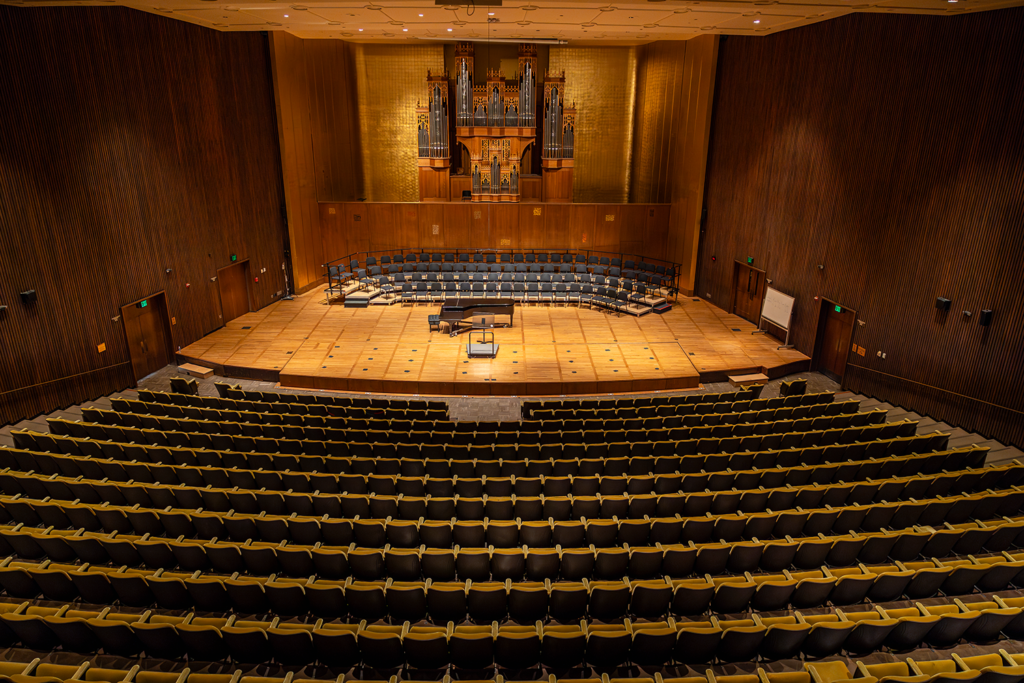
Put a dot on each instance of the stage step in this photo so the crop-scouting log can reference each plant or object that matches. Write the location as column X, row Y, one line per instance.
column 746, row 380
column 194, row 370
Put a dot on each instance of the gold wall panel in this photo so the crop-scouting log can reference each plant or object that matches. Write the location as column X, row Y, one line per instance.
column 602, row 83
column 661, row 96
column 390, row 80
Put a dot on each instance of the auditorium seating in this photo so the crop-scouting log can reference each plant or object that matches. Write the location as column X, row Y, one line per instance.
column 610, row 284
column 337, row 538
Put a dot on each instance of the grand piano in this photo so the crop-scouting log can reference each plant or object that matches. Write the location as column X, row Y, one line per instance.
column 459, row 313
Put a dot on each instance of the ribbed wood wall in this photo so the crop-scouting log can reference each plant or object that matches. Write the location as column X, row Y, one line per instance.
column 890, row 150
column 131, row 144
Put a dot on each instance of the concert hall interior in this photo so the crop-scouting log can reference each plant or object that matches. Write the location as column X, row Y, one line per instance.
column 525, row 341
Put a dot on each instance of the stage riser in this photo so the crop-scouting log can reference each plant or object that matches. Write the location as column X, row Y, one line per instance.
column 486, row 388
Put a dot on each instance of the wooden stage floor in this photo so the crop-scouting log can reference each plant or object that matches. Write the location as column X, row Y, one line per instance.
column 551, row 350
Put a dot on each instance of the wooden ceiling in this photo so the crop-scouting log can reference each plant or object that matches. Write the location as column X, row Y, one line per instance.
column 578, row 22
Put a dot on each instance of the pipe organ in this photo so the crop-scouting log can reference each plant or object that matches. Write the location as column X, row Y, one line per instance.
column 496, row 125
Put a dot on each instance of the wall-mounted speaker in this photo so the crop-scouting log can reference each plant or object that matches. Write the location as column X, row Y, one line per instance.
column 942, row 304
column 985, row 317
column 28, row 297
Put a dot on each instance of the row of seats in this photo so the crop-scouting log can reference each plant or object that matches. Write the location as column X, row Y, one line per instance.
column 740, row 400
column 994, row 667
column 687, row 416
column 468, row 550
column 38, row 671
column 594, row 500
column 123, row 470
column 376, row 444
column 271, row 398
column 638, row 530
column 509, row 646
column 630, row 496
column 712, row 428
column 486, row 599
column 601, row 462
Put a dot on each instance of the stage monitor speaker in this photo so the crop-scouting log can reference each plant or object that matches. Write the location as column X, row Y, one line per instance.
column 985, row 318
column 943, row 304
column 28, row 296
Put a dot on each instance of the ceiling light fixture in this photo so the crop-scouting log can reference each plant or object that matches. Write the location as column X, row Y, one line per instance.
column 490, row 14
column 449, row 30
column 405, row 30
column 421, row 15
column 286, row 16
column 757, row 21
column 360, row 29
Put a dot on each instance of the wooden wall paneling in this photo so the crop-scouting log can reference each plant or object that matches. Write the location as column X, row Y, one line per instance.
column 532, row 226
column 607, row 222
column 428, row 217
column 458, row 184
column 357, row 227
column 632, row 226
column 655, row 240
column 582, row 222
column 154, row 173
column 691, row 153
column 558, row 232
column 334, row 119
column 406, row 217
column 480, row 227
column 458, row 224
column 504, row 226
column 531, row 188
column 817, row 159
column 292, row 97
column 332, row 233
column 386, row 232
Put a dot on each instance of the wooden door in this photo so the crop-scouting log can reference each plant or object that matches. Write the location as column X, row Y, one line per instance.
column 234, row 291
column 147, row 327
column 835, row 331
column 747, row 291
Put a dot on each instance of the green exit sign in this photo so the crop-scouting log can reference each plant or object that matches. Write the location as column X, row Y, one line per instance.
column 143, row 304
column 234, row 257
column 750, row 259
column 839, row 309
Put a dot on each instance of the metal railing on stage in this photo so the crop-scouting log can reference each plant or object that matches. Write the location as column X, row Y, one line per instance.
column 340, row 270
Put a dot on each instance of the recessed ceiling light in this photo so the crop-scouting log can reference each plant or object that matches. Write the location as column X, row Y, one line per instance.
column 360, row 29
column 406, row 30
column 449, row 30
column 490, row 14
column 757, row 21
column 421, row 15
column 286, row 16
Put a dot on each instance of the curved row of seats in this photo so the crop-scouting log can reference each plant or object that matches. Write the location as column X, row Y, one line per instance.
column 617, row 408
column 632, row 496
column 468, row 550
column 593, row 460
column 485, row 440
column 486, row 600
column 637, row 494
column 37, row 671
column 371, row 446
column 272, row 397
column 715, row 413
column 267, row 404
column 994, row 667
column 640, row 529
column 838, row 473
column 468, row 544
column 512, row 646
